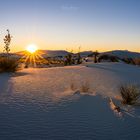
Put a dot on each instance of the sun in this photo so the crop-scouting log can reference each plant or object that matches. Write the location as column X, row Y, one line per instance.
column 32, row 48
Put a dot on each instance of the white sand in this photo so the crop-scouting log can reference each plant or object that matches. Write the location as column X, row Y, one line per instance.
column 103, row 78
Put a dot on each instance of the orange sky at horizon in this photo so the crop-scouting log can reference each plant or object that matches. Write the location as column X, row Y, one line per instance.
column 68, row 43
column 74, row 48
column 69, row 24
column 20, row 43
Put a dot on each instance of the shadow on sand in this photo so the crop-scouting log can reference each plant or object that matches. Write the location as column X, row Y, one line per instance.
column 5, row 85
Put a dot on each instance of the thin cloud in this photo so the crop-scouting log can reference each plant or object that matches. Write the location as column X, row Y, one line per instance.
column 70, row 8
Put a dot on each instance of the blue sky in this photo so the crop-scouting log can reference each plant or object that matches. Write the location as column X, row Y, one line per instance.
column 67, row 24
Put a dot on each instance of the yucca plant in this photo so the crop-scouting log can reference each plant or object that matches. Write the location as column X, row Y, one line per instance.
column 7, row 63
column 96, row 53
column 7, row 41
column 130, row 94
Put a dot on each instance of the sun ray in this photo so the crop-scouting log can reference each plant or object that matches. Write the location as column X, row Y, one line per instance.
column 34, row 61
column 33, row 57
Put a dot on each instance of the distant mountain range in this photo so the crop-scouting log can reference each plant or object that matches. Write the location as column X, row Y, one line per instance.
column 54, row 53
column 123, row 54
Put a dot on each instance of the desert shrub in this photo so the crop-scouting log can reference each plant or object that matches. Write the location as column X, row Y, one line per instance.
column 72, row 86
column 68, row 59
column 79, row 58
column 130, row 94
column 129, row 61
column 85, row 87
column 108, row 57
column 96, row 53
column 137, row 61
column 8, row 64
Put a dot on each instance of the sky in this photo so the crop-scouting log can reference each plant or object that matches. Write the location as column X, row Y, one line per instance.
column 69, row 24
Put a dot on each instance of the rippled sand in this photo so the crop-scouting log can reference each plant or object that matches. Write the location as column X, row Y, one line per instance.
column 37, row 104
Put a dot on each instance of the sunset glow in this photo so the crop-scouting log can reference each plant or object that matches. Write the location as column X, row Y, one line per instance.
column 67, row 24
column 31, row 48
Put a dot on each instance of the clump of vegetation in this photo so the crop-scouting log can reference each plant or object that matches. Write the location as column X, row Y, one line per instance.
column 79, row 58
column 136, row 61
column 72, row 86
column 85, row 87
column 96, row 53
column 129, row 61
column 130, row 94
column 8, row 64
column 107, row 57
column 69, row 60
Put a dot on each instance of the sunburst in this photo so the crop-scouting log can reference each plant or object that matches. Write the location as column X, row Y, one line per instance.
column 32, row 48
column 32, row 56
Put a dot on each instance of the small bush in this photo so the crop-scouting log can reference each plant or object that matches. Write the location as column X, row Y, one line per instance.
column 8, row 64
column 129, row 61
column 137, row 61
column 130, row 94
column 85, row 87
column 96, row 53
column 107, row 57
column 68, row 59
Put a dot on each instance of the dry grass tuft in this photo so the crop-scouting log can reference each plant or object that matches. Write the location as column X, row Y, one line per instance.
column 85, row 87
column 8, row 64
column 130, row 94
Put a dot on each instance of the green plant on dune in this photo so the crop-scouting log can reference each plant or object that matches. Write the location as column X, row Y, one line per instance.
column 130, row 94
